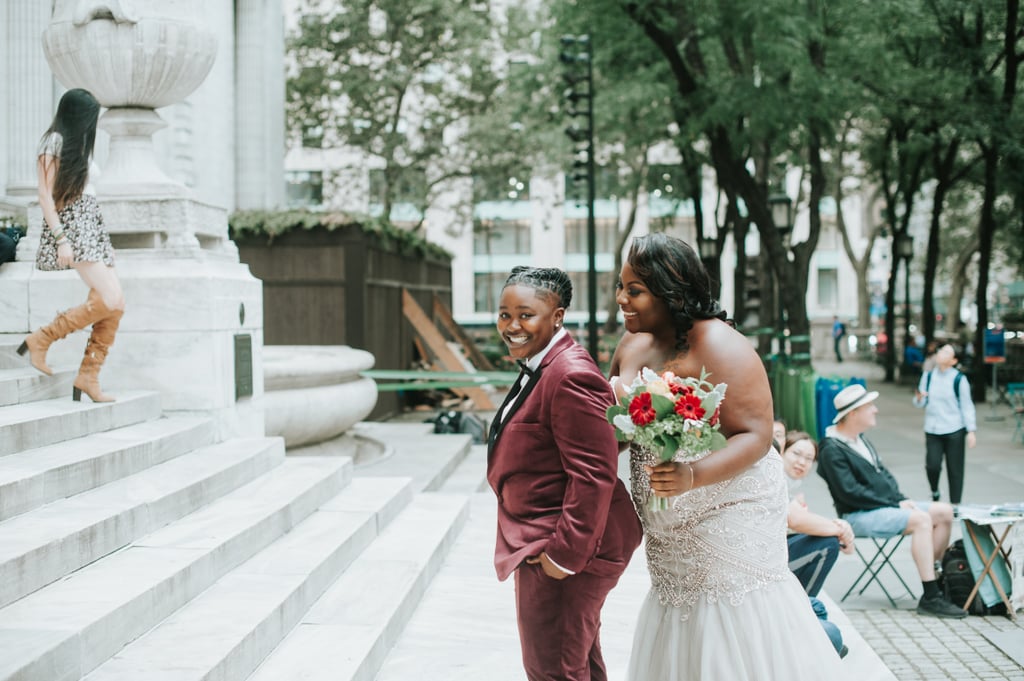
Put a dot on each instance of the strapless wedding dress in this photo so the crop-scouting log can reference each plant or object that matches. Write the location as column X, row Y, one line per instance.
column 723, row 604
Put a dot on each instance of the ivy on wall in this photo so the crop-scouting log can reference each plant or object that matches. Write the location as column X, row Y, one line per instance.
column 254, row 224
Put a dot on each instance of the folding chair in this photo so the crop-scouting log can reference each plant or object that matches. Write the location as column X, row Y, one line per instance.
column 885, row 547
column 1015, row 391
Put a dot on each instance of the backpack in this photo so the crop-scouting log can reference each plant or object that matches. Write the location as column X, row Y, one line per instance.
column 956, row 385
column 958, row 582
column 8, row 243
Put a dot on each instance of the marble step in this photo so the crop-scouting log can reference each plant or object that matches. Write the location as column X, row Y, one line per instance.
column 65, row 630
column 470, row 476
column 37, row 424
column 49, row 542
column 415, row 451
column 9, row 357
column 35, row 477
column 25, row 384
column 232, row 626
column 348, row 632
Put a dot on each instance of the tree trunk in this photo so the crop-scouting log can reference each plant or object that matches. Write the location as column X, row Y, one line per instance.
column 611, row 324
column 944, row 181
column 958, row 283
column 986, row 230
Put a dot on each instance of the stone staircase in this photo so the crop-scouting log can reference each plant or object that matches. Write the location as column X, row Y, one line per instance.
column 133, row 545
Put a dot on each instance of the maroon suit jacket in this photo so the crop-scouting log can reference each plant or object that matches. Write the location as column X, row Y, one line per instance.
column 554, row 468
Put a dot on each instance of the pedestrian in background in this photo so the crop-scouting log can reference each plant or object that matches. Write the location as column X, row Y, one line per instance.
column 950, row 422
column 838, row 333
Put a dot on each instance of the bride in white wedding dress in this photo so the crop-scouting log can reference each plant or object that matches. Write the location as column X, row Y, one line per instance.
column 723, row 604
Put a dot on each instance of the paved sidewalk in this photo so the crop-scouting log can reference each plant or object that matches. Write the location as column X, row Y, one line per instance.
column 915, row 647
column 465, row 626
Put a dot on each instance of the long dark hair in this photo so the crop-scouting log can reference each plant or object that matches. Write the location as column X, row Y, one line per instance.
column 75, row 120
column 672, row 271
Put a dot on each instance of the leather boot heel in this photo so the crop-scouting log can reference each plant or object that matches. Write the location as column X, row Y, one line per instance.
column 76, row 394
column 23, row 348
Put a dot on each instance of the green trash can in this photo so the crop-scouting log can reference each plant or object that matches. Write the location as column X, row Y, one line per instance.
column 808, row 411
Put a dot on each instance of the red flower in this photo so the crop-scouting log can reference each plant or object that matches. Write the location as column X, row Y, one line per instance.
column 641, row 411
column 680, row 389
column 714, row 417
column 688, row 406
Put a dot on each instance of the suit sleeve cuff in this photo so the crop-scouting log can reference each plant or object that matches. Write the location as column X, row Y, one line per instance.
column 566, row 571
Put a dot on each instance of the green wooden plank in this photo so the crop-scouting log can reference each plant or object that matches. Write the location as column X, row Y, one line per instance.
column 420, row 385
column 459, row 376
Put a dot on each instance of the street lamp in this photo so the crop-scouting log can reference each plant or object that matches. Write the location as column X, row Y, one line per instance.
column 905, row 252
column 781, row 207
column 782, row 215
column 578, row 75
column 708, row 249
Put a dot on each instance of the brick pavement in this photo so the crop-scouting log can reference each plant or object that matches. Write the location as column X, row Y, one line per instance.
column 911, row 646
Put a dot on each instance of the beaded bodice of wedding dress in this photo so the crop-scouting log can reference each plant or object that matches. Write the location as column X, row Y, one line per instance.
column 717, row 542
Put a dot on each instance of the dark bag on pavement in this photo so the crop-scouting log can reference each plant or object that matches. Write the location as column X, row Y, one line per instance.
column 8, row 244
column 958, row 582
column 450, row 422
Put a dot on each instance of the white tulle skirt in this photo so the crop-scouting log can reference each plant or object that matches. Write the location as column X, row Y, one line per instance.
column 773, row 634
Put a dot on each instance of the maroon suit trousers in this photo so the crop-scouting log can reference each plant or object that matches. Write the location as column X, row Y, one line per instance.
column 559, row 623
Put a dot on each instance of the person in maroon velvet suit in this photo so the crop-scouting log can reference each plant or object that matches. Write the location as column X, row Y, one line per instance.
column 566, row 525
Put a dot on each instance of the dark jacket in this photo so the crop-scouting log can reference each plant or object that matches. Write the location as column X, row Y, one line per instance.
column 856, row 484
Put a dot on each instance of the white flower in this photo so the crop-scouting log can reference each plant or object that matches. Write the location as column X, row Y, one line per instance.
column 648, row 376
column 624, row 424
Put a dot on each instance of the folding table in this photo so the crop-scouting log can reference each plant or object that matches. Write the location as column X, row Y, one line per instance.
column 980, row 525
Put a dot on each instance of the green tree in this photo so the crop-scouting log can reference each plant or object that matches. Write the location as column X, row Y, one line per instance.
column 400, row 80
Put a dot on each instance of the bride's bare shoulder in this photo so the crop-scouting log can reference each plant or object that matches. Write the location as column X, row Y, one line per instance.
column 634, row 350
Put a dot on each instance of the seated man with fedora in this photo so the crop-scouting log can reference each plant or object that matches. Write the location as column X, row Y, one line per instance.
column 867, row 496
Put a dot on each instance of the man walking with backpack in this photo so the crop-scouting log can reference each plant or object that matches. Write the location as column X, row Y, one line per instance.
column 950, row 421
column 838, row 331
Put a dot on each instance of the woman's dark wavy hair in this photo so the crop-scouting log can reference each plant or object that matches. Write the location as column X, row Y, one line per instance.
column 549, row 279
column 75, row 120
column 672, row 271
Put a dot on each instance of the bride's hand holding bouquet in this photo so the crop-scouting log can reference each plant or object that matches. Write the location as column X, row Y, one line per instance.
column 673, row 417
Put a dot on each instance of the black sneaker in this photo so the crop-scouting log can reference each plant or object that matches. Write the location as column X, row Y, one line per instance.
column 938, row 606
column 935, row 496
column 844, row 652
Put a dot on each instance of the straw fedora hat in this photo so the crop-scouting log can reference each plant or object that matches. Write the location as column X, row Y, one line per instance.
column 851, row 397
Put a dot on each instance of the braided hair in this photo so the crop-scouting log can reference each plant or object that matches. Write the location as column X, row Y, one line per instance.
column 545, row 280
column 672, row 271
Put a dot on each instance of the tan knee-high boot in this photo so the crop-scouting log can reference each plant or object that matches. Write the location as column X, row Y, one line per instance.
column 63, row 324
column 87, row 381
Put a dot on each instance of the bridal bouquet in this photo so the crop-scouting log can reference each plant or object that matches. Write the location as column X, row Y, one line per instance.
column 669, row 414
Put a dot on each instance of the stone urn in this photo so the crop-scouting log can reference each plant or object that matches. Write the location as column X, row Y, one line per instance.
column 134, row 56
column 314, row 393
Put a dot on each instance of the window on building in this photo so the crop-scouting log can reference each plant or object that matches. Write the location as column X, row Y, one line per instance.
column 304, row 188
column 501, row 237
column 680, row 226
column 312, row 135
column 410, row 187
column 606, row 231
column 487, row 290
column 580, row 290
column 828, row 288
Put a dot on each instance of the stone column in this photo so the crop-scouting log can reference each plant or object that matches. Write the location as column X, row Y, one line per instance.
column 259, row 104
column 28, row 92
